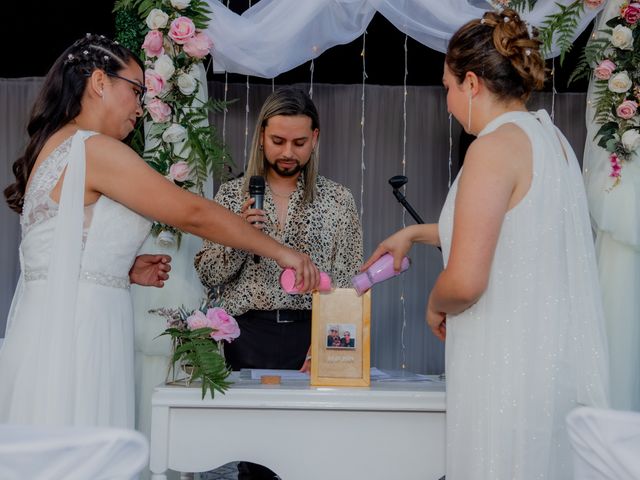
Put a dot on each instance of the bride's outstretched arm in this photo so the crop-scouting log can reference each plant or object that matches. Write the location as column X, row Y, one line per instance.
column 114, row 170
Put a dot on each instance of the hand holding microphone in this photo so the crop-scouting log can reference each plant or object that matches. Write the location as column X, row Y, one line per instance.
column 256, row 196
column 252, row 209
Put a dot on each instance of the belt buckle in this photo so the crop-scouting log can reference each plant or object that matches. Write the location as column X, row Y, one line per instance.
column 281, row 321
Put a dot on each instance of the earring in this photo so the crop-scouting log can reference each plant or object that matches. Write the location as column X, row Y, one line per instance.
column 260, row 146
column 469, row 119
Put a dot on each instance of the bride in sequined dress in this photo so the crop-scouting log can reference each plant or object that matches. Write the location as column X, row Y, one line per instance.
column 86, row 202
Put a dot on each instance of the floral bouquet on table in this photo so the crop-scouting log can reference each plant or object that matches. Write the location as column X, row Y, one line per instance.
column 198, row 345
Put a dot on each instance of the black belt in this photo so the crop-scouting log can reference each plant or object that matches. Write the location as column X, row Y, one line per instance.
column 277, row 316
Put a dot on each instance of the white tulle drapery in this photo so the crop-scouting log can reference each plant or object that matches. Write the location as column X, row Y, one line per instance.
column 275, row 36
column 615, row 214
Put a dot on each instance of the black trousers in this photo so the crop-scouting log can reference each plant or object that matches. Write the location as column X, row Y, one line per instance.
column 275, row 339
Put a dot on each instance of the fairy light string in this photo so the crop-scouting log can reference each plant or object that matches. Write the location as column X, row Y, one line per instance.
column 403, row 365
column 362, row 164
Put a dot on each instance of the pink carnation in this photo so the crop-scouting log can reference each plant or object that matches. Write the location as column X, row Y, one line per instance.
column 198, row 46
column 627, row 109
column 604, row 70
column 631, row 13
column 160, row 112
column 224, row 325
column 615, row 166
column 154, row 83
column 181, row 30
column 179, row 171
column 593, row 3
column 152, row 45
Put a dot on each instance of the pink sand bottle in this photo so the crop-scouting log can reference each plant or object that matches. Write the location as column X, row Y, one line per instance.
column 381, row 270
column 288, row 281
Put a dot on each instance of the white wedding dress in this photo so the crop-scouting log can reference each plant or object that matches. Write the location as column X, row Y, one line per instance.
column 67, row 358
column 533, row 346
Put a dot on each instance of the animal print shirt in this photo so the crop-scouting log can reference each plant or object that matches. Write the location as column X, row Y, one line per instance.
column 328, row 230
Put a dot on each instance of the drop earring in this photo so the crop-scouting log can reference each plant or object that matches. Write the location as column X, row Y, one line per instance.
column 469, row 118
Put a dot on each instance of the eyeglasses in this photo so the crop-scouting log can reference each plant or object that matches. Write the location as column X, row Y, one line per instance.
column 142, row 90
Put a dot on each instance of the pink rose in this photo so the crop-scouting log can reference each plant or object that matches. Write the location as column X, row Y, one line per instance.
column 631, row 13
column 604, row 70
column 152, row 45
column 627, row 109
column 224, row 325
column 198, row 46
column 154, row 83
column 181, row 30
column 198, row 320
column 593, row 3
column 160, row 112
column 179, row 171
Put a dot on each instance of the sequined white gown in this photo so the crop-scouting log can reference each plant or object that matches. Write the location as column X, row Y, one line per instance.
column 67, row 358
column 533, row 346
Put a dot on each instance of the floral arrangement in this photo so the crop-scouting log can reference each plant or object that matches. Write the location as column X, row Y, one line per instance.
column 198, row 344
column 613, row 57
column 559, row 26
column 180, row 143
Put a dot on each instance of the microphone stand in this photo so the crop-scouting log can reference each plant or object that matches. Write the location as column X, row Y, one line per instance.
column 396, row 183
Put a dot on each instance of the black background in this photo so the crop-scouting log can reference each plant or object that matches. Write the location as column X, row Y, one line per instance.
column 36, row 32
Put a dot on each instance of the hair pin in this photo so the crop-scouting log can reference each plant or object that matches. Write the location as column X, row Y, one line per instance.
column 70, row 57
column 483, row 21
column 506, row 19
column 85, row 52
column 527, row 52
column 106, row 57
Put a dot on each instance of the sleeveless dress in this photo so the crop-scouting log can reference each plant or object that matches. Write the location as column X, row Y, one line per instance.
column 67, row 358
column 533, row 346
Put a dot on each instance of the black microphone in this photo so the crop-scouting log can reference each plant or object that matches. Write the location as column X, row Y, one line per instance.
column 256, row 191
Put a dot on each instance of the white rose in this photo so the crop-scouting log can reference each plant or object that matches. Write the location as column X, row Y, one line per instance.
column 175, row 133
column 164, row 66
column 620, row 82
column 157, row 19
column 187, row 83
column 622, row 37
column 180, row 4
column 631, row 140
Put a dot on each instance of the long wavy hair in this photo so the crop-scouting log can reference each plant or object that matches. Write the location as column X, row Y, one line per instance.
column 59, row 101
column 285, row 101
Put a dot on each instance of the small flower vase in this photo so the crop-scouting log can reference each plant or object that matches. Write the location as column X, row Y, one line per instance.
column 167, row 239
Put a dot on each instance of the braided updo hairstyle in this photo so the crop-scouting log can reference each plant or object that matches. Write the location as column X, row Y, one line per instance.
column 499, row 49
column 59, row 100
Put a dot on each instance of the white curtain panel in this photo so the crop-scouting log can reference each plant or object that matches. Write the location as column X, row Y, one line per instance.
column 275, row 36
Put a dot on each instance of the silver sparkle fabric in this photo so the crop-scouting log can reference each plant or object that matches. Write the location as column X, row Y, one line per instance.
column 533, row 347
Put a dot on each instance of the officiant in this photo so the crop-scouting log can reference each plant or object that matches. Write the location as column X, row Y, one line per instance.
column 301, row 209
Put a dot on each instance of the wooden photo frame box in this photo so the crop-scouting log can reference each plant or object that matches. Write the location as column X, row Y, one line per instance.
column 340, row 338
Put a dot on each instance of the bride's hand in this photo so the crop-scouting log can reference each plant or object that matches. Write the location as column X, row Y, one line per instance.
column 398, row 245
column 307, row 274
column 150, row 270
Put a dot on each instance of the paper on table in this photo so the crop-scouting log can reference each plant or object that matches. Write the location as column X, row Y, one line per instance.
column 256, row 373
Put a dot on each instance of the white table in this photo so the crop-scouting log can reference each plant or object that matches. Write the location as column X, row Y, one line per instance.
column 387, row 431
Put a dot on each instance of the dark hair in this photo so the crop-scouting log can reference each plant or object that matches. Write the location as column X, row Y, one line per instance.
column 499, row 49
column 59, row 100
column 285, row 101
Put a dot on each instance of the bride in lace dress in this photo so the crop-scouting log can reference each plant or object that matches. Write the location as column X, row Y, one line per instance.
column 518, row 301
column 86, row 202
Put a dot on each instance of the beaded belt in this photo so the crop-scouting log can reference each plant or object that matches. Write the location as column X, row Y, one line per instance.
column 90, row 277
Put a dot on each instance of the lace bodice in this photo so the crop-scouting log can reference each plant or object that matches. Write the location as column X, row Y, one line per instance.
column 111, row 237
